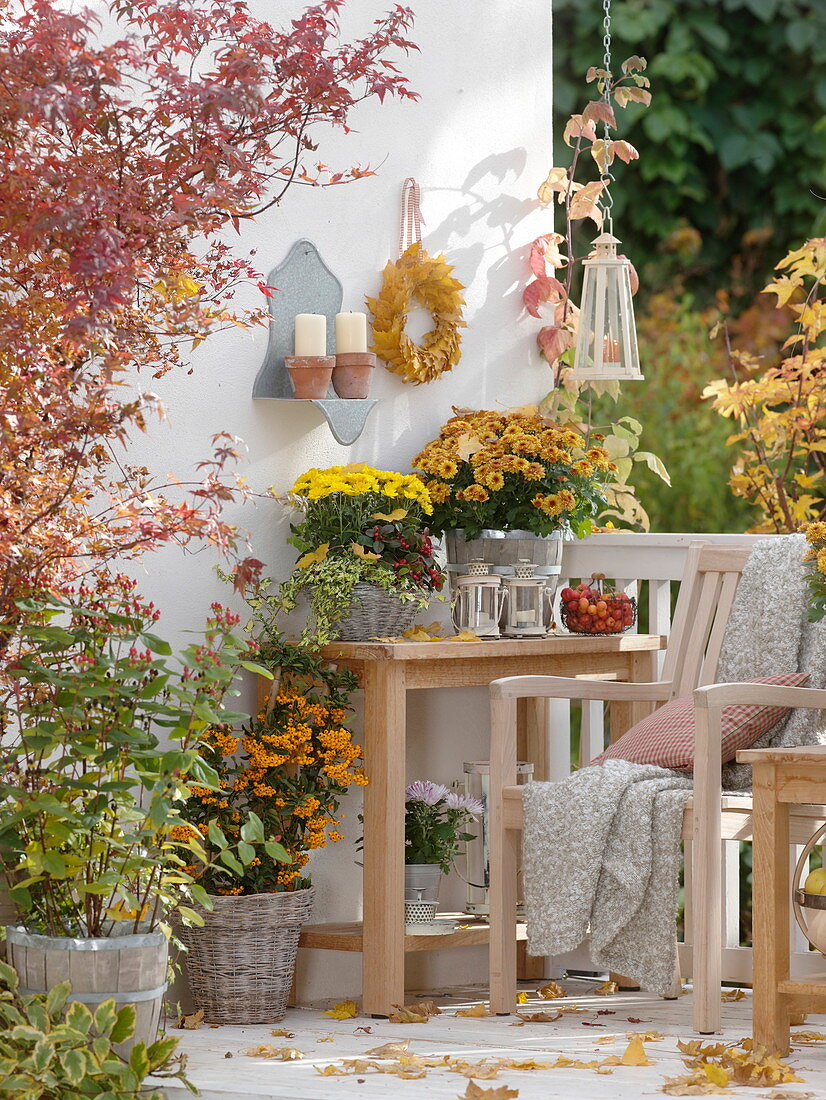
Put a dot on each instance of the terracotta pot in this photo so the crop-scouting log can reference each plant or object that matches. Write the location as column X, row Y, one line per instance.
column 352, row 373
column 310, row 375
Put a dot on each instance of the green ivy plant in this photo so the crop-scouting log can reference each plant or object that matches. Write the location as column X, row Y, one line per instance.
column 732, row 150
column 51, row 1052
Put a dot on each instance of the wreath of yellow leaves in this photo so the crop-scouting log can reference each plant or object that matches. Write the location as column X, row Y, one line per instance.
column 417, row 278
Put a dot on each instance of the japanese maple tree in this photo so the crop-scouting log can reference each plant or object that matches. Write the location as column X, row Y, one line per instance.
column 129, row 149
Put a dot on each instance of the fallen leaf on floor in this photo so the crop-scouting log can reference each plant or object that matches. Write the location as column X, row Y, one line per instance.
column 364, row 1030
column 635, row 1053
column 522, row 998
column 484, row 1070
column 732, row 995
column 607, row 1039
column 539, row 1017
column 696, row 1048
column 518, row 1022
column 280, row 1033
column 325, row 1039
column 418, row 1013
column 609, row 1012
column 808, row 1038
column 637, row 1020
column 344, row 1010
column 332, row 1071
column 213, row 1026
column 781, row 1094
column 278, row 1054
column 716, row 1074
column 468, row 636
column 475, row 1010
column 476, row 1092
column 591, row 1023
column 193, row 1021
column 606, row 989
column 390, row 1050
column 647, row 1036
column 691, row 1086
column 228, row 1054
column 564, row 1062
column 744, row 1063
column 551, row 991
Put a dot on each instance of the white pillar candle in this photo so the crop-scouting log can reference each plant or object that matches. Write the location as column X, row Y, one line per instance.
column 310, row 334
column 351, row 332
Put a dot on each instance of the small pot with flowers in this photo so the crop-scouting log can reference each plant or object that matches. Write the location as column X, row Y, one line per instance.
column 283, row 773
column 509, row 486
column 435, row 824
column 366, row 559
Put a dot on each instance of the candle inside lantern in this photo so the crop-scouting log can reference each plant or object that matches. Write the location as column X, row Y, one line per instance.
column 310, row 334
column 351, row 333
column 610, row 350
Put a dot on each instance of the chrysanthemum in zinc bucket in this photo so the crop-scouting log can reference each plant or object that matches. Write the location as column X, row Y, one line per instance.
column 511, row 486
column 436, row 820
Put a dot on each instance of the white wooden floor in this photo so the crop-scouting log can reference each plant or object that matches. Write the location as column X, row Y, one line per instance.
column 222, row 1071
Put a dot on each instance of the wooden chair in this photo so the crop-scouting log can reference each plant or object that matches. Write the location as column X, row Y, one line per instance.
column 703, row 606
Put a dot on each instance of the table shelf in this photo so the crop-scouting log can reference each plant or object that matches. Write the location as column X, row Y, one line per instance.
column 347, row 935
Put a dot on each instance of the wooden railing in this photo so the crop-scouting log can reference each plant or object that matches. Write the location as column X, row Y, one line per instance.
column 650, row 567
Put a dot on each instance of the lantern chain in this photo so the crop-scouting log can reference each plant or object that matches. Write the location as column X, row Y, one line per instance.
column 606, row 176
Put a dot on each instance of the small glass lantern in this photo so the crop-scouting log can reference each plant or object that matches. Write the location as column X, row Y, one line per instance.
column 607, row 339
column 477, row 783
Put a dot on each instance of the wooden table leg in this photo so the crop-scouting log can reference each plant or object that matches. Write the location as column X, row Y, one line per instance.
column 531, row 745
column 770, row 929
column 383, row 893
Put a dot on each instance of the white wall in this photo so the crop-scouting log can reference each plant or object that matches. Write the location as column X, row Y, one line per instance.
column 479, row 143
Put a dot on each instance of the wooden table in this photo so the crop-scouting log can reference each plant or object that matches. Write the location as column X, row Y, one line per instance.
column 782, row 778
column 387, row 672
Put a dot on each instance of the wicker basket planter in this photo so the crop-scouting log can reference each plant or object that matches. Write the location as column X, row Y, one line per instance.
column 376, row 613
column 241, row 962
column 130, row 969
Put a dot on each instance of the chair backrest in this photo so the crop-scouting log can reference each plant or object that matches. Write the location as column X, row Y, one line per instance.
column 703, row 607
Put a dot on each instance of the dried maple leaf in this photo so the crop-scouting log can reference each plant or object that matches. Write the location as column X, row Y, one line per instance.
column 690, row 1086
column 647, row 1036
column 521, row 998
column 539, row 1017
column 368, row 1030
column 591, row 1023
column 611, row 1012
column 324, row 1039
column 332, row 1071
column 606, row 989
column 475, row 1010
column 732, row 995
column 193, row 1021
column 484, row 1070
column 633, row 1019
column 464, row 636
column 551, row 991
column 564, row 1062
column 418, row 1013
column 781, row 1094
column 606, row 1038
column 476, row 1092
column 279, row 1054
column 281, row 1034
column 635, row 1053
column 390, row 1050
column 808, row 1038
column 343, row 1010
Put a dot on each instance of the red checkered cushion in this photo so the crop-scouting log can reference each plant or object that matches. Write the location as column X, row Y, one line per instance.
column 666, row 737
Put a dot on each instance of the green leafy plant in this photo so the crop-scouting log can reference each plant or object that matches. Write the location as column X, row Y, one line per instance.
column 100, row 736
column 435, row 820
column 732, row 150
column 49, row 1051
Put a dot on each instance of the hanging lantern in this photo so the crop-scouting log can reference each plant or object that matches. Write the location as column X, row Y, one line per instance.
column 606, row 344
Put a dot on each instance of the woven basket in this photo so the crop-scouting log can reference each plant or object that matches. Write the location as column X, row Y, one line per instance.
column 241, row 962
column 376, row 613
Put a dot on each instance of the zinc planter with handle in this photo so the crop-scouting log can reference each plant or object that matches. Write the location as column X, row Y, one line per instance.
column 129, row 969
column 241, row 962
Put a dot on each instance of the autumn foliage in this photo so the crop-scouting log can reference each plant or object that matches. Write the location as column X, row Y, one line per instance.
column 780, row 409
column 128, row 152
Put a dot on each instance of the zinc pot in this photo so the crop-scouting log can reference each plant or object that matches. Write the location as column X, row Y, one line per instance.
column 242, row 961
column 310, row 375
column 376, row 613
column 503, row 549
column 129, row 969
column 353, row 373
column 422, row 881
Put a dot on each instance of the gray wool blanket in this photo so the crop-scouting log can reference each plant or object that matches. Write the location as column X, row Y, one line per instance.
column 601, row 849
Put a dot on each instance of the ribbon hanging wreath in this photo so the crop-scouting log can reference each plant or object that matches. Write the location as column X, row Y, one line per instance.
column 417, row 278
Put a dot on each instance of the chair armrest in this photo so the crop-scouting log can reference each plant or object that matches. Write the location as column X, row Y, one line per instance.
column 773, row 695
column 574, row 687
